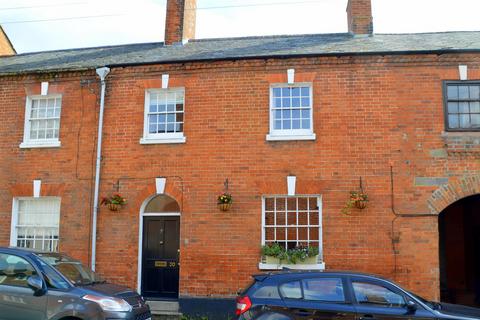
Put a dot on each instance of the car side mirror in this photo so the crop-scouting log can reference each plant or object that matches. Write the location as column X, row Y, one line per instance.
column 411, row 306
column 36, row 284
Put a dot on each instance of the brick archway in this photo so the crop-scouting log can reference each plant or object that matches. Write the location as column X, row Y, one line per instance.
column 452, row 192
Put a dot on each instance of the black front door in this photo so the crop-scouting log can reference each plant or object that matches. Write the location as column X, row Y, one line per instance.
column 160, row 269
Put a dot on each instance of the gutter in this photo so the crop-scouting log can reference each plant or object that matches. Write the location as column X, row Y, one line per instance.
column 102, row 73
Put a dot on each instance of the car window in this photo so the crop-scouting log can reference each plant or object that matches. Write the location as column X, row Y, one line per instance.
column 267, row 292
column 323, row 289
column 291, row 290
column 52, row 278
column 14, row 271
column 369, row 293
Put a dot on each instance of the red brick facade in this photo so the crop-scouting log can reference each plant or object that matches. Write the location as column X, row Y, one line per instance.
column 370, row 113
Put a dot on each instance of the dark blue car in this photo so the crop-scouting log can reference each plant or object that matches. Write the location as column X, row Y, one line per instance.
column 42, row 285
column 290, row 295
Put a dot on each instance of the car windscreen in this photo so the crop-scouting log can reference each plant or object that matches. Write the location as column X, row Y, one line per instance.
column 71, row 269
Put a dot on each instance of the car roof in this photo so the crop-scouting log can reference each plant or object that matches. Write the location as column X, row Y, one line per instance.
column 23, row 251
column 287, row 274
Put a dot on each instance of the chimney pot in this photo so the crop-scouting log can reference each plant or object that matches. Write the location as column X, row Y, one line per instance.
column 180, row 21
column 359, row 14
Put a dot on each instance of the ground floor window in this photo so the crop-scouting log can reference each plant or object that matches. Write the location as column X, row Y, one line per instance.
column 35, row 223
column 292, row 221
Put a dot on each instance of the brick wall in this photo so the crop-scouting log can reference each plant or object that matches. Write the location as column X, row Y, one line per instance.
column 369, row 113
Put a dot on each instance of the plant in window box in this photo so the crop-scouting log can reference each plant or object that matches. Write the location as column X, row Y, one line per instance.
column 357, row 199
column 115, row 202
column 277, row 254
column 224, row 201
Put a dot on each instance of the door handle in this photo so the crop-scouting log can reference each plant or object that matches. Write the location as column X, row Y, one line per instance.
column 303, row 313
column 368, row 317
column 161, row 242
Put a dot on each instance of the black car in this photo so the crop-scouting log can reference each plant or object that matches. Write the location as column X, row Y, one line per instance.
column 38, row 285
column 332, row 295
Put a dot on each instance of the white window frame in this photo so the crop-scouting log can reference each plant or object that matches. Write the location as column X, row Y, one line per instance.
column 14, row 220
column 290, row 134
column 159, row 138
column 43, row 143
column 320, row 265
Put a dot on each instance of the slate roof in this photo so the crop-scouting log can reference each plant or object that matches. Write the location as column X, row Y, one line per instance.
column 240, row 48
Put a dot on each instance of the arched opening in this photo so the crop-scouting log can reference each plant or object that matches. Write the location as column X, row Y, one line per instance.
column 459, row 235
column 159, row 247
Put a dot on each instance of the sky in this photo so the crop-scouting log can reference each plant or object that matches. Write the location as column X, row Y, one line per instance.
column 39, row 25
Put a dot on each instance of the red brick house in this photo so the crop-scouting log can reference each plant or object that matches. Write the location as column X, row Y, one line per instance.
column 394, row 115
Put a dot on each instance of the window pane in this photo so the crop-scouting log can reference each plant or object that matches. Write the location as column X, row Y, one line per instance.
column 286, row 114
column 296, row 113
column 464, row 121
column 152, row 128
column 286, row 92
column 453, row 121
column 305, row 102
column 305, row 124
column 277, row 103
column 475, row 107
column 475, row 92
column 170, row 127
column 463, row 92
column 153, row 119
column 162, row 203
column 453, row 107
column 267, row 292
column 278, row 114
column 324, row 289
column 295, row 92
column 296, row 124
column 463, row 107
column 287, row 124
column 475, row 120
column 291, row 290
column 14, row 271
column 153, row 108
column 295, row 102
column 305, row 92
column 277, row 92
column 452, row 92
column 286, row 102
column 278, row 125
column 370, row 293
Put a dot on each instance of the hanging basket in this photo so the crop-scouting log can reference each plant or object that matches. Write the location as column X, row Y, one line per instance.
column 113, row 206
column 224, row 206
column 360, row 204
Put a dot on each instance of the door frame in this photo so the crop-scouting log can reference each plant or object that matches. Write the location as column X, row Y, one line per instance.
column 140, row 236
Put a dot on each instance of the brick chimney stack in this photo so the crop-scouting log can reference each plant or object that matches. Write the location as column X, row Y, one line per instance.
column 180, row 21
column 360, row 20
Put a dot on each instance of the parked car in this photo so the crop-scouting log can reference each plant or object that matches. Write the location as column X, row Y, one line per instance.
column 290, row 295
column 38, row 285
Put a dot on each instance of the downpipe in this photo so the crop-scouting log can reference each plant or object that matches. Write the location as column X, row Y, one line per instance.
column 102, row 73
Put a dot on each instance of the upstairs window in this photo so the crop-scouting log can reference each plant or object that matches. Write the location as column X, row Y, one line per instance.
column 462, row 106
column 42, row 121
column 291, row 115
column 164, row 116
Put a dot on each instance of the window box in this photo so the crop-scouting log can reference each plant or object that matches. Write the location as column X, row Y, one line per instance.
column 272, row 263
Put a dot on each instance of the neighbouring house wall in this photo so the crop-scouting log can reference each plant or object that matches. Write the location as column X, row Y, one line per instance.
column 369, row 113
column 6, row 48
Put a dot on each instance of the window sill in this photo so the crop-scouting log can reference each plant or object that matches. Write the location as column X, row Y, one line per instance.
column 163, row 140
column 49, row 144
column 298, row 266
column 273, row 137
